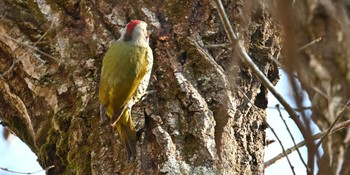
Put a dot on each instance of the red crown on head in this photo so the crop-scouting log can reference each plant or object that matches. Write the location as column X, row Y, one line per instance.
column 129, row 28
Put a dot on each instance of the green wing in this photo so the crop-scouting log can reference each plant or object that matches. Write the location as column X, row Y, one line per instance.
column 123, row 67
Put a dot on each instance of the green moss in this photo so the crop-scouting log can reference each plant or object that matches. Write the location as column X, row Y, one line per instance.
column 62, row 148
column 55, row 148
column 77, row 157
column 48, row 149
column 56, row 145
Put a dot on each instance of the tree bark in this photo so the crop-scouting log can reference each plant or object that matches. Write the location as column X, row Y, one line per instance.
column 196, row 120
column 323, row 70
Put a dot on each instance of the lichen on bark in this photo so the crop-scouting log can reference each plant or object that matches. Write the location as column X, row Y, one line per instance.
column 196, row 121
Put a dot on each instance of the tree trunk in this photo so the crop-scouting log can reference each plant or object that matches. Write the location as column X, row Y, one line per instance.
column 324, row 73
column 196, row 120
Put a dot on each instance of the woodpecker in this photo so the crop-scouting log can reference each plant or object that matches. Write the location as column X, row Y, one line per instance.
column 126, row 70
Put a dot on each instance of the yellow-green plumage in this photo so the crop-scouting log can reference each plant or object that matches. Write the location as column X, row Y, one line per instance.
column 123, row 67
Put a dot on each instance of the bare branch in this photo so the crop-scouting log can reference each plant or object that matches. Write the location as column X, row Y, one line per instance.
column 226, row 45
column 291, row 135
column 299, row 50
column 246, row 58
column 283, row 149
column 272, row 130
column 311, row 147
column 31, row 47
column 309, row 44
column 264, row 80
column 17, row 172
column 227, row 25
column 339, row 127
column 303, row 108
column 42, row 36
column 341, row 114
column 10, row 68
column 320, row 92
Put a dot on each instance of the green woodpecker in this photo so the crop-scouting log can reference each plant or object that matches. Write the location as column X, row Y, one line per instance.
column 126, row 71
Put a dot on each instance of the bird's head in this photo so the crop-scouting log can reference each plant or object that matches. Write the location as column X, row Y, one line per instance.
column 136, row 33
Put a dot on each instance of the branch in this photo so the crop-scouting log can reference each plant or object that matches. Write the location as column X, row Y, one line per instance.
column 17, row 172
column 291, row 135
column 341, row 114
column 246, row 58
column 320, row 92
column 338, row 127
column 10, row 68
column 303, row 108
column 31, row 47
column 299, row 50
column 264, row 80
column 309, row 44
column 218, row 45
column 227, row 25
column 264, row 120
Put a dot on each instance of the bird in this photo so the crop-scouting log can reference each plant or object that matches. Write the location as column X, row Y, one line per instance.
column 125, row 75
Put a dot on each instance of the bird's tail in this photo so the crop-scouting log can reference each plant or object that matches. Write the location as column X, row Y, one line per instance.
column 127, row 134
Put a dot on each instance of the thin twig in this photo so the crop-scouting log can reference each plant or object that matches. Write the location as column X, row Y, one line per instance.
column 218, row 45
column 39, row 41
column 319, row 91
column 338, row 127
column 275, row 61
column 227, row 25
column 17, row 59
column 290, row 134
column 304, row 108
column 341, row 114
column 264, row 80
column 43, row 36
column 31, row 47
column 283, row 149
column 309, row 44
column 299, row 50
column 10, row 68
column 311, row 147
column 221, row 71
column 246, row 58
column 264, row 120
column 17, row 172
column 269, row 142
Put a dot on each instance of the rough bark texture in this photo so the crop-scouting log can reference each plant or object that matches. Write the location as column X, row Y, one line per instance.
column 323, row 69
column 195, row 122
